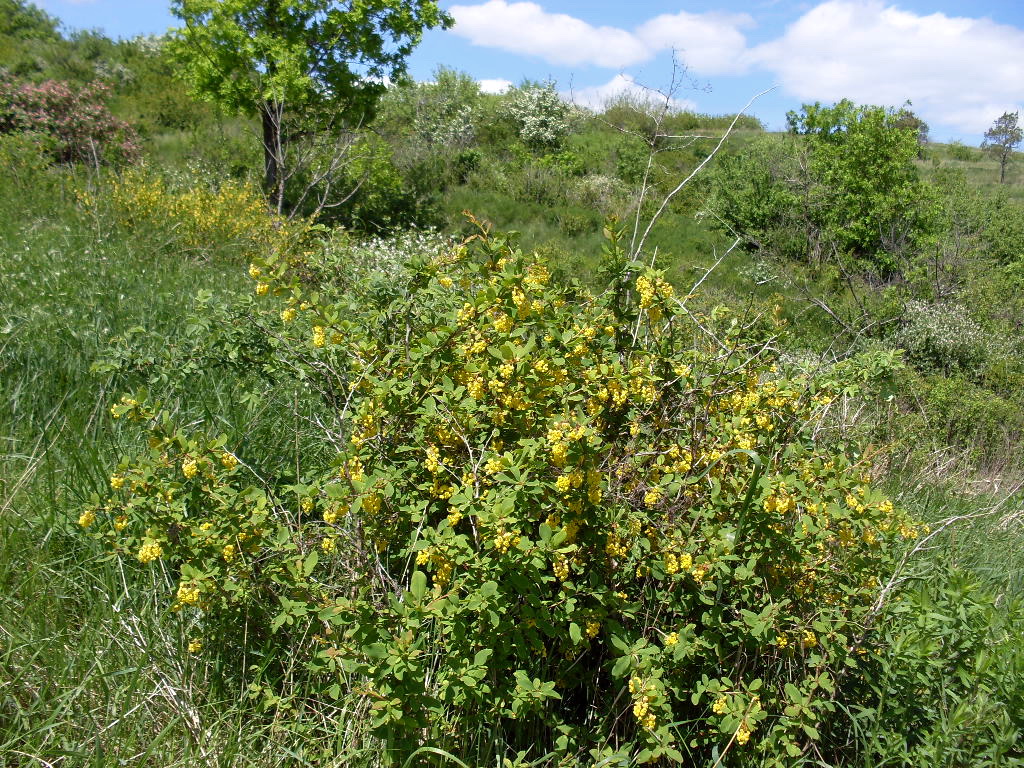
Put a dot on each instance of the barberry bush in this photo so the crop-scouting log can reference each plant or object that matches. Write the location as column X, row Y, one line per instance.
column 549, row 524
column 76, row 120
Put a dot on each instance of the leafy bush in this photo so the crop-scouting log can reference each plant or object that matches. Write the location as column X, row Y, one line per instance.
column 960, row 151
column 76, row 119
column 949, row 689
column 587, row 523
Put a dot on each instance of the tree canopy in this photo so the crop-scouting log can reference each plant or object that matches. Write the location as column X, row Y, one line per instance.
column 272, row 57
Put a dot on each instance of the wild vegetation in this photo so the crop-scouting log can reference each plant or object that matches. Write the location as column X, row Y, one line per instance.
column 723, row 472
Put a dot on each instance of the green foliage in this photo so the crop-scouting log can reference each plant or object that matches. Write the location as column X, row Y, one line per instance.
column 24, row 20
column 867, row 194
column 949, row 688
column 513, row 501
column 244, row 53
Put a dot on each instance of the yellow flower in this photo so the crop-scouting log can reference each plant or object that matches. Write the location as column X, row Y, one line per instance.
column 593, row 627
column 671, row 639
column 120, row 522
column 319, row 336
column 149, row 551
column 116, row 482
column 228, row 461
column 328, row 545
column 228, row 552
column 262, row 289
column 189, row 468
column 188, row 594
column 287, row 315
column 195, row 645
column 255, row 272
column 87, row 518
column 719, row 706
column 743, row 734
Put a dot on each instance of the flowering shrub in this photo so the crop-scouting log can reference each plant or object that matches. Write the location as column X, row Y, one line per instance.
column 196, row 214
column 539, row 114
column 943, row 337
column 75, row 118
column 594, row 524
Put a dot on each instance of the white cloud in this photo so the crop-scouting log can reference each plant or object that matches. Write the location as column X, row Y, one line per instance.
column 555, row 37
column 708, row 43
column 959, row 72
column 597, row 96
column 494, row 86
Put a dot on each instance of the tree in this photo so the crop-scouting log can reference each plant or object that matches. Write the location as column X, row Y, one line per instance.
column 25, row 21
column 1002, row 138
column 308, row 58
column 866, row 195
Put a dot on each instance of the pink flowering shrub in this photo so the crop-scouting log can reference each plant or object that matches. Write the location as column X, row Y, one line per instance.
column 77, row 120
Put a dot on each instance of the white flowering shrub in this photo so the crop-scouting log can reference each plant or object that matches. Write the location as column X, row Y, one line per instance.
column 539, row 114
column 942, row 337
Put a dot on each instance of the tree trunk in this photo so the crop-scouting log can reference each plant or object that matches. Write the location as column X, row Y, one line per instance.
column 273, row 154
column 1003, row 159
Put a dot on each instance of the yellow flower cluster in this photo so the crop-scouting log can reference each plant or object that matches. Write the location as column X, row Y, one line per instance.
column 87, row 518
column 189, row 467
column 675, row 563
column 742, row 734
column 319, row 336
column 651, row 287
column 149, row 551
column 228, row 461
column 188, row 594
column 505, row 540
column 432, row 462
column 195, row 645
column 643, row 696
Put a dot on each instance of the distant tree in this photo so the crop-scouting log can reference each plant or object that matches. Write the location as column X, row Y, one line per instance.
column 272, row 58
column 25, row 21
column 908, row 120
column 1002, row 138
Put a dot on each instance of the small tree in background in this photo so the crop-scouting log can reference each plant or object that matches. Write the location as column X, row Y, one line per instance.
column 1002, row 138
column 272, row 58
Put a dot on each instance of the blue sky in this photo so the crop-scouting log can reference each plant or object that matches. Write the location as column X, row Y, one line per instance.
column 961, row 64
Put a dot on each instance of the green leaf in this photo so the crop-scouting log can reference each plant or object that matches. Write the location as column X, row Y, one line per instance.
column 575, row 634
column 418, row 584
column 310, row 563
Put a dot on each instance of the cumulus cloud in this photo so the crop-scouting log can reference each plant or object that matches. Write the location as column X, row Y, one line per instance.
column 597, row 96
column 959, row 72
column 555, row 37
column 494, row 85
column 708, row 43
